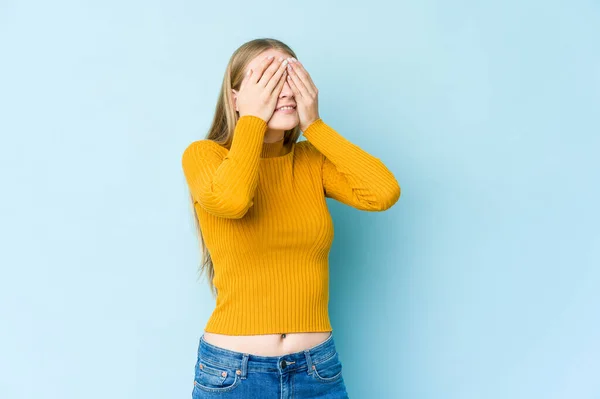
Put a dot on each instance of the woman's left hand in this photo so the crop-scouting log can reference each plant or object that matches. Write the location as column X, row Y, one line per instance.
column 305, row 92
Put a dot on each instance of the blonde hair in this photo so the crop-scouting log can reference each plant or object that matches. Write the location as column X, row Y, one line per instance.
column 225, row 119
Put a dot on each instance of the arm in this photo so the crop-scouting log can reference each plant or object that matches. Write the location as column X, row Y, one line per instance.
column 350, row 174
column 224, row 183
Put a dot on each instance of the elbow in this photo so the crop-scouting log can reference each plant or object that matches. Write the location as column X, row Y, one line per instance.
column 239, row 210
column 389, row 189
column 234, row 208
column 394, row 196
column 389, row 196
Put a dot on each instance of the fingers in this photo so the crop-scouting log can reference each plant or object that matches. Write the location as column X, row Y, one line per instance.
column 295, row 90
column 276, row 78
column 274, row 96
column 298, row 84
column 258, row 72
column 302, row 79
column 268, row 74
column 303, row 73
column 253, row 75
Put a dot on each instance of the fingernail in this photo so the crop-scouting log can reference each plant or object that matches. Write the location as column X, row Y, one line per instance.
column 285, row 62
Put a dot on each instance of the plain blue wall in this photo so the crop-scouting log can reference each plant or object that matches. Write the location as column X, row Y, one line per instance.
column 481, row 282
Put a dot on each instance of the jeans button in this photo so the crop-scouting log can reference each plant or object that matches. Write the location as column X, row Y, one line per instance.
column 283, row 364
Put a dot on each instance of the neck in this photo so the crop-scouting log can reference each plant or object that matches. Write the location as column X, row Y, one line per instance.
column 273, row 135
column 273, row 144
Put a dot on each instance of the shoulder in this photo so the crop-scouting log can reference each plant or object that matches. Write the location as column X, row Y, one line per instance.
column 202, row 150
column 205, row 146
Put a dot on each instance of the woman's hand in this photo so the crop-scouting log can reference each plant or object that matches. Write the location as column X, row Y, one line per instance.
column 260, row 89
column 305, row 92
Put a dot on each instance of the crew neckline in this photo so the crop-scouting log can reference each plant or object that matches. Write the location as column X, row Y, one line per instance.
column 272, row 150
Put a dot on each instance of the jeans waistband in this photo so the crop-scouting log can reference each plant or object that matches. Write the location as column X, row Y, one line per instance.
column 246, row 362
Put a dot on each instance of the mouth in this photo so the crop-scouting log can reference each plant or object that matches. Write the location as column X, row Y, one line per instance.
column 286, row 108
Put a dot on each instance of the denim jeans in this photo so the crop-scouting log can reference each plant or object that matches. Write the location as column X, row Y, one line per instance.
column 312, row 373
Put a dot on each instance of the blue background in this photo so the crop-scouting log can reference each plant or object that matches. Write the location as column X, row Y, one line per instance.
column 481, row 282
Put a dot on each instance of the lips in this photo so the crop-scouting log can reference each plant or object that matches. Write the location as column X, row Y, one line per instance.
column 288, row 105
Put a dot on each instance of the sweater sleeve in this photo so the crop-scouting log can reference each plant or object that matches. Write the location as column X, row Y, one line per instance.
column 350, row 174
column 224, row 182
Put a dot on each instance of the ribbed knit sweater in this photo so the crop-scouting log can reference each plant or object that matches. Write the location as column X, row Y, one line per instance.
column 265, row 221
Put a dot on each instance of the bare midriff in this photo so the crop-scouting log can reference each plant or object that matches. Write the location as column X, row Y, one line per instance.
column 267, row 344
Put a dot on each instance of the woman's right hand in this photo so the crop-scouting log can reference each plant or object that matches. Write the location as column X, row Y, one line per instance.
column 260, row 89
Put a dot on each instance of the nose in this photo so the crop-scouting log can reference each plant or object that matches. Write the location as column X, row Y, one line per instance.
column 286, row 91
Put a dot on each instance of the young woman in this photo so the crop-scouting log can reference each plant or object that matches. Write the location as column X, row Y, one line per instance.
column 258, row 196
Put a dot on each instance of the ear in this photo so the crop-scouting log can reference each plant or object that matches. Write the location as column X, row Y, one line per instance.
column 234, row 96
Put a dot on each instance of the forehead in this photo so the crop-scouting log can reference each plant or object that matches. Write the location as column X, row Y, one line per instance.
column 258, row 59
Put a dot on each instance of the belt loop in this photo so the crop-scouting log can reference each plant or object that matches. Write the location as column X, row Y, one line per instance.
column 244, row 365
column 308, row 361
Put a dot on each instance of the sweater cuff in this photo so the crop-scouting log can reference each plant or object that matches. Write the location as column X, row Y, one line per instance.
column 314, row 125
column 248, row 137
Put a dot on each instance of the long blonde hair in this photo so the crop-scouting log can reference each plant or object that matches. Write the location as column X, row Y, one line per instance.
column 225, row 119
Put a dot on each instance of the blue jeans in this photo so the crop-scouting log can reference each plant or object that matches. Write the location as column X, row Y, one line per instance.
column 312, row 373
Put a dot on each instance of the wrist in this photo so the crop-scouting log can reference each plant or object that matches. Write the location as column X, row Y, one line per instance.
column 305, row 126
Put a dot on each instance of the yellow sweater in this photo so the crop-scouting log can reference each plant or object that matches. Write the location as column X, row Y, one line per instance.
column 263, row 215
